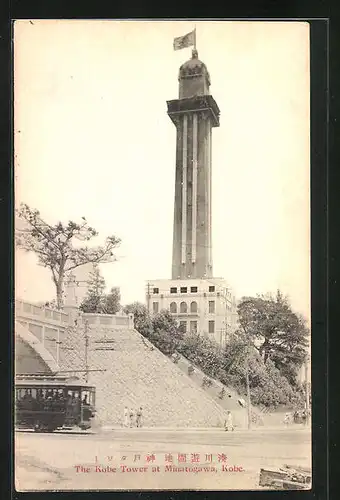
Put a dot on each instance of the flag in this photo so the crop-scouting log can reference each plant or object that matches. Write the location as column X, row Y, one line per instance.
column 187, row 40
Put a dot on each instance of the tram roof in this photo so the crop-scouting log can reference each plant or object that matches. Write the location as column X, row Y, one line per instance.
column 47, row 380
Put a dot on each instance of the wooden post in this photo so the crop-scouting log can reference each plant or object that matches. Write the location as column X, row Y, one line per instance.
column 86, row 352
column 248, row 394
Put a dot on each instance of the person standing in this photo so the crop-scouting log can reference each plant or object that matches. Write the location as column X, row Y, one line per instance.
column 139, row 417
column 228, row 424
column 131, row 417
column 126, row 417
column 287, row 419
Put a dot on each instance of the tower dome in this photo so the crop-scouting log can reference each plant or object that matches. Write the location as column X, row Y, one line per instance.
column 194, row 78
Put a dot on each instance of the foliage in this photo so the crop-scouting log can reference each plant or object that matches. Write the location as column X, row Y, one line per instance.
column 96, row 300
column 54, row 245
column 93, row 302
column 235, row 353
column 161, row 329
column 277, row 332
column 112, row 301
column 204, row 353
column 166, row 335
column 207, row 382
column 142, row 318
column 268, row 387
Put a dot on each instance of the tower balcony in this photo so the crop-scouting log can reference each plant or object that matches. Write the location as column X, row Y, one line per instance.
column 196, row 104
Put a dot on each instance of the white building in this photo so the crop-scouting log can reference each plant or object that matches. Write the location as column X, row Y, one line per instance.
column 207, row 307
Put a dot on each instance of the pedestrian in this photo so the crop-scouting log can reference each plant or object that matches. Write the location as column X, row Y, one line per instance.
column 228, row 424
column 131, row 418
column 139, row 417
column 126, row 417
column 287, row 419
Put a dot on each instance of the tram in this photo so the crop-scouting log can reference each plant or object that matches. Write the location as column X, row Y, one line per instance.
column 46, row 403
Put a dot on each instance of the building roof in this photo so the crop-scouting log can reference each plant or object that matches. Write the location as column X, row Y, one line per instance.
column 193, row 67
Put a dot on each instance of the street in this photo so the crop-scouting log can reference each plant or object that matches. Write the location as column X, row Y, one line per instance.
column 169, row 459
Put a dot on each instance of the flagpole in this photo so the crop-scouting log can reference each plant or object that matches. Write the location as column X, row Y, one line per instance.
column 195, row 38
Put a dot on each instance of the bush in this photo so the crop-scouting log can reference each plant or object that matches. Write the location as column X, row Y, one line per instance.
column 204, row 353
column 207, row 382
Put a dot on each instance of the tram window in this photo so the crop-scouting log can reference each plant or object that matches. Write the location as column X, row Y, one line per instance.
column 86, row 397
column 73, row 394
column 23, row 394
column 26, row 394
column 92, row 398
column 48, row 394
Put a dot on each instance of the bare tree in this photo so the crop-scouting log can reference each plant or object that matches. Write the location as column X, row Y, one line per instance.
column 53, row 245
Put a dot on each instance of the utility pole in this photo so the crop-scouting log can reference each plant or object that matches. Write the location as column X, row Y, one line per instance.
column 148, row 297
column 86, row 351
column 248, row 393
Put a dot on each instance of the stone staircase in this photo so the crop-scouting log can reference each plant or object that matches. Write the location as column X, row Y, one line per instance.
column 137, row 374
column 224, row 396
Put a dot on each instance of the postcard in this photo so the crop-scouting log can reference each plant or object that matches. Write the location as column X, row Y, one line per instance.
column 162, row 255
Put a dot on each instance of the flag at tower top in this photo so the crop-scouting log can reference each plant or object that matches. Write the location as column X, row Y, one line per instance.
column 184, row 41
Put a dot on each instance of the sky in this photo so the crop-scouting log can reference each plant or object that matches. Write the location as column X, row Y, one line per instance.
column 93, row 139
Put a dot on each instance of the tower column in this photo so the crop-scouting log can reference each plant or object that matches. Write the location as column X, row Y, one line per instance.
column 209, row 195
column 194, row 189
column 184, row 189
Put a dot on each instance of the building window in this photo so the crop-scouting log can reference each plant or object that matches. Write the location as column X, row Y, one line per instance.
column 184, row 289
column 155, row 307
column 183, row 308
column 173, row 289
column 193, row 289
column 173, row 307
column 211, row 306
column 211, row 326
column 193, row 307
column 211, row 288
column 193, row 326
column 183, row 326
column 156, row 290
